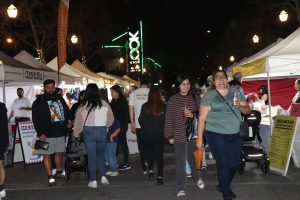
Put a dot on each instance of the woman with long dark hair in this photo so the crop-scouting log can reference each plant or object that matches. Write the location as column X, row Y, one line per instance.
column 152, row 123
column 180, row 106
column 93, row 118
column 119, row 106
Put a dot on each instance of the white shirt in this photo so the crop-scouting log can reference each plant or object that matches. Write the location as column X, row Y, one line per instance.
column 18, row 103
column 136, row 99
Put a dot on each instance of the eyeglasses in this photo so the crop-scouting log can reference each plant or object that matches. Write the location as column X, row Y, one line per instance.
column 220, row 77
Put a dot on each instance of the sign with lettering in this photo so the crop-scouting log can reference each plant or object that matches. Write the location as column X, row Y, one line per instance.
column 282, row 142
column 134, row 51
column 28, row 138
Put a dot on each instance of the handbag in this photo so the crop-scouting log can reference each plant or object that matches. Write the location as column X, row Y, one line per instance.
column 39, row 144
column 244, row 128
column 191, row 127
column 198, row 155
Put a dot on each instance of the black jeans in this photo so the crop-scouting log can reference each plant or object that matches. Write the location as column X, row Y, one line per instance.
column 123, row 142
column 141, row 147
column 154, row 149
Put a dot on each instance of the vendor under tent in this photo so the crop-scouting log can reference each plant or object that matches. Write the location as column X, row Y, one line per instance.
column 279, row 62
column 15, row 74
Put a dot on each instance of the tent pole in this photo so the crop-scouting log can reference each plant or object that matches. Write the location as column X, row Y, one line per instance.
column 269, row 94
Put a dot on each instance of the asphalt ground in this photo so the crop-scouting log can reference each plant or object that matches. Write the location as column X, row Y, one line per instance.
column 31, row 184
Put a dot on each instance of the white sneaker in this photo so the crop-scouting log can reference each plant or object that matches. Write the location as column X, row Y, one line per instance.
column 104, row 180
column 92, row 184
column 2, row 193
column 200, row 184
column 181, row 193
column 109, row 173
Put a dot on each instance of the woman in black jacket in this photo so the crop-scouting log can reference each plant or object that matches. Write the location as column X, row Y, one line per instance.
column 3, row 145
column 151, row 120
column 119, row 106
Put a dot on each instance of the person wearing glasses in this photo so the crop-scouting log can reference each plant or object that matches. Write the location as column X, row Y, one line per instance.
column 221, row 126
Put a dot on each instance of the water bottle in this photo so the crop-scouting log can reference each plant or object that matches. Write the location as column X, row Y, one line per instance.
column 235, row 99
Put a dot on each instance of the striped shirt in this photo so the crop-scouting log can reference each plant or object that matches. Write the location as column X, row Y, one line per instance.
column 174, row 121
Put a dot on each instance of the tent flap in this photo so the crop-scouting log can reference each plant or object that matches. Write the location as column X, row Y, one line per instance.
column 255, row 67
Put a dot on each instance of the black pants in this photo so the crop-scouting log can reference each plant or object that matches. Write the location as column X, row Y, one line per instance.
column 139, row 135
column 123, row 142
column 154, row 149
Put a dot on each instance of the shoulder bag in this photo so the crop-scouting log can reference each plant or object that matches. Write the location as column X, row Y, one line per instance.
column 244, row 128
column 76, row 146
column 191, row 125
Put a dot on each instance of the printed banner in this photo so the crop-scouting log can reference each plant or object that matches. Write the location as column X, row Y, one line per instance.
column 282, row 140
column 62, row 29
column 28, row 138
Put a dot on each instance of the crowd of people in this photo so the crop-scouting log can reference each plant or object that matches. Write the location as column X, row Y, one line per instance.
column 103, row 126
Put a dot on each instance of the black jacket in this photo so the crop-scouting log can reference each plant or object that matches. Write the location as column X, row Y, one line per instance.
column 3, row 127
column 152, row 125
column 50, row 116
column 120, row 109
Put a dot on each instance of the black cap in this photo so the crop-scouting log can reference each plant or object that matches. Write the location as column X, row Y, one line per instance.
column 264, row 88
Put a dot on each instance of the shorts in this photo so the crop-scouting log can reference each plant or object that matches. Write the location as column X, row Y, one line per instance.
column 56, row 145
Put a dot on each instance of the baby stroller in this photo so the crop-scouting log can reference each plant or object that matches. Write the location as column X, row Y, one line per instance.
column 252, row 148
column 76, row 157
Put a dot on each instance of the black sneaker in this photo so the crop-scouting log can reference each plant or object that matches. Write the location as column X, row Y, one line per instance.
column 51, row 181
column 125, row 167
column 160, row 181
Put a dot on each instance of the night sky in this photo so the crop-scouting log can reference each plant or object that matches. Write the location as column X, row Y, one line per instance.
column 175, row 31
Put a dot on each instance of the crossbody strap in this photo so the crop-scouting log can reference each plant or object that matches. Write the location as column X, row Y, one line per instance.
column 228, row 104
column 87, row 116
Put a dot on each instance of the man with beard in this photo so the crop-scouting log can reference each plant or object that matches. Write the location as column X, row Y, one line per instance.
column 50, row 116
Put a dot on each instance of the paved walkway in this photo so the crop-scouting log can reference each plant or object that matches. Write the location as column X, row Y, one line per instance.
column 131, row 184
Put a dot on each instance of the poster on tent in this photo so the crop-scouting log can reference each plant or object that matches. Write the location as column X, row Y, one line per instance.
column 281, row 144
column 28, row 138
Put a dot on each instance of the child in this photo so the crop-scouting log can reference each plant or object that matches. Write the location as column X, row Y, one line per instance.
column 111, row 147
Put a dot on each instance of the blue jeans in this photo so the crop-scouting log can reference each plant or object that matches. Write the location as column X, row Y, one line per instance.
column 226, row 149
column 95, row 142
column 110, row 156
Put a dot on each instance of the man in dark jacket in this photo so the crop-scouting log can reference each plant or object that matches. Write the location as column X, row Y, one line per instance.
column 3, row 145
column 50, row 115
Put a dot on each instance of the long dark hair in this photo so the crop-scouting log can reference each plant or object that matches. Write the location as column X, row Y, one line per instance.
column 118, row 90
column 92, row 96
column 155, row 102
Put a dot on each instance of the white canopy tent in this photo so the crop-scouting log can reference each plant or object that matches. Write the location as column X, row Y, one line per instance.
column 280, row 60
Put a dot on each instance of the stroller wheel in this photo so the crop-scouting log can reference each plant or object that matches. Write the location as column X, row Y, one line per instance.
column 265, row 167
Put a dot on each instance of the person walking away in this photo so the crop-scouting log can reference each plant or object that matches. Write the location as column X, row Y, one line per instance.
column 3, row 146
column 92, row 119
column 21, row 106
column 152, row 123
column 119, row 106
column 50, row 116
column 136, row 99
column 221, row 127
column 180, row 106
column 111, row 147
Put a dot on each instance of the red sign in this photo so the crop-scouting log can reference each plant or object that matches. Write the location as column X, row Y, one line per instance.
column 295, row 109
